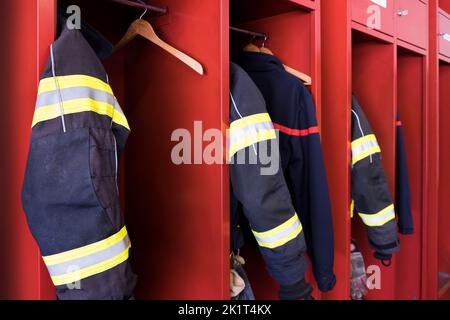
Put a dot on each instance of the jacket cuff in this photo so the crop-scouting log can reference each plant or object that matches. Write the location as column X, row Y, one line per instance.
column 382, row 257
column 326, row 283
column 386, row 249
column 297, row 291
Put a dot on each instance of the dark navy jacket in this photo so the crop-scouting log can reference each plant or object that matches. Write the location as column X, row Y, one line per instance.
column 403, row 194
column 293, row 113
column 264, row 199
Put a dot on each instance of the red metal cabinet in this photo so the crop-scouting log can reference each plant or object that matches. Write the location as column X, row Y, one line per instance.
column 374, row 14
column 444, row 33
column 180, row 237
column 412, row 22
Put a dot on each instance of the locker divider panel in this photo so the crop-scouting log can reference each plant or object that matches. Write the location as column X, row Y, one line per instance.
column 373, row 83
column 444, row 192
column 431, row 160
column 410, row 98
column 21, row 62
column 336, row 115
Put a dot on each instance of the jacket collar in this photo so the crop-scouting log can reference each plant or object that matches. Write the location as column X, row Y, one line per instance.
column 258, row 61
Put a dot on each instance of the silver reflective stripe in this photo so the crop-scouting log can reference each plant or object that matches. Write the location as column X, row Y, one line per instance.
column 90, row 260
column 366, row 146
column 280, row 235
column 67, row 94
column 248, row 131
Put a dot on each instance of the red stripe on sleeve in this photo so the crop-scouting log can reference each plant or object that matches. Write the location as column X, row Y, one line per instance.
column 296, row 132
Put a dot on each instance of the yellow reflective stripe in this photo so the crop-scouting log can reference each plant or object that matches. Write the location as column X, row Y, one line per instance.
column 119, row 118
column 279, row 235
column 278, row 229
column 79, row 105
column 247, row 141
column 279, row 243
column 365, row 154
column 48, row 84
column 246, row 121
column 360, row 149
column 92, row 270
column 379, row 218
column 86, row 250
column 352, row 208
column 363, row 140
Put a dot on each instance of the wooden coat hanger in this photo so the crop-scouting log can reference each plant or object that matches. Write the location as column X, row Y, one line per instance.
column 251, row 47
column 144, row 28
column 304, row 77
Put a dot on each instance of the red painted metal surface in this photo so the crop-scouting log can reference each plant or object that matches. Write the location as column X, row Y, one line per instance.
column 364, row 11
column 336, row 78
column 20, row 64
column 413, row 27
column 431, row 185
column 444, row 30
column 410, row 103
column 444, row 4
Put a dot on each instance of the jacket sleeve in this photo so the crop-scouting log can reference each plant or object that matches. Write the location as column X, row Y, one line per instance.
column 370, row 192
column 259, row 184
column 307, row 174
column 403, row 195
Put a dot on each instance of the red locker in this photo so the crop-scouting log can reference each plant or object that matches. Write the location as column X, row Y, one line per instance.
column 374, row 14
column 412, row 22
column 180, row 237
column 178, row 216
column 293, row 35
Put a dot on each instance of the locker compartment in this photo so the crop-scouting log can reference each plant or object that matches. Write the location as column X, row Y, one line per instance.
column 373, row 83
column 374, row 14
column 412, row 22
column 410, row 102
column 444, row 191
column 179, row 237
column 444, row 33
column 292, row 31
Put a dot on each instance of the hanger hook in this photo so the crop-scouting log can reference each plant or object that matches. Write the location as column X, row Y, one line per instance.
column 146, row 10
column 264, row 41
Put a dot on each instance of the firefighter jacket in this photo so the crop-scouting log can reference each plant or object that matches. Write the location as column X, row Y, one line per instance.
column 264, row 196
column 70, row 194
column 371, row 198
column 403, row 194
column 293, row 113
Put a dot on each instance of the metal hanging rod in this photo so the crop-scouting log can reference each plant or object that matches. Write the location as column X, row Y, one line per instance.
column 251, row 33
column 142, row 5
